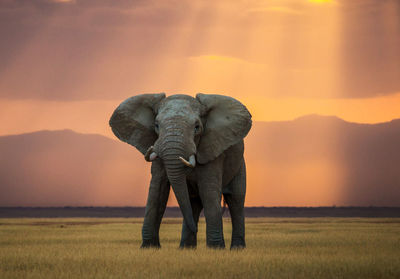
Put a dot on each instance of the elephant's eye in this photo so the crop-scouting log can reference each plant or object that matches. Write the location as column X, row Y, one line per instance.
column 156, row 127
column 197, row 128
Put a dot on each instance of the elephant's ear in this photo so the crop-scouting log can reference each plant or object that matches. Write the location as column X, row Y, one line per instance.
column 227, row 122
column 133, row 120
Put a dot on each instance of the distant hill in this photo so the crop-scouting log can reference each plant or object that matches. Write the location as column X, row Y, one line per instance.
column 325, row 159
column 311, row 161
column 53, row 168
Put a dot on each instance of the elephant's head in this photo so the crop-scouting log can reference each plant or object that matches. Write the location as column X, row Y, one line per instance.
column 181, row 130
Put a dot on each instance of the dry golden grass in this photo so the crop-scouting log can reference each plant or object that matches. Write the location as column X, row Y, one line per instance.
column 277, row 248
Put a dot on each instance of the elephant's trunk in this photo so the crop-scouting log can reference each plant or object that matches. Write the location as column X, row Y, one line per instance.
column 182, row 195
column 171, row 149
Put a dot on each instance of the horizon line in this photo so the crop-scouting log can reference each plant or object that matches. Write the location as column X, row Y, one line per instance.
column 254, row 121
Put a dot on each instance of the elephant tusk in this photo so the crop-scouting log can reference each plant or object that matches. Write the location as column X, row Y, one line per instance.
column 192, row 160
column 153, row 156
column 150, row 154
column 189, row 164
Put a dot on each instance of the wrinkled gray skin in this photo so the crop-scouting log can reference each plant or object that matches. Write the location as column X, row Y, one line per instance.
column 210, row 127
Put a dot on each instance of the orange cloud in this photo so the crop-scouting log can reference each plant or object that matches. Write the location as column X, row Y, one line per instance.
column 91, row 50
column 366, row 110
column 21, row 116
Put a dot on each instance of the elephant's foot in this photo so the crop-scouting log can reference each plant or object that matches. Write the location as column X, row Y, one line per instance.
column 190, row 241
column 187, row 246
column 216, row 244
column 238, row 247
column 150, row 243
column 238, row 244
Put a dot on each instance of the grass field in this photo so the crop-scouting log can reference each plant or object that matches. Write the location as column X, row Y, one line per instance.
column 277, row 248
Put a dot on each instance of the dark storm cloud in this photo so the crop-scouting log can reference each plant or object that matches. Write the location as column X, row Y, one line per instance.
column 370, row 48
column 102, row 49
column 50, row 49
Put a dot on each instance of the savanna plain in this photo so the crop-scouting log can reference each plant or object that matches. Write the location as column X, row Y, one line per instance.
column 276, row 248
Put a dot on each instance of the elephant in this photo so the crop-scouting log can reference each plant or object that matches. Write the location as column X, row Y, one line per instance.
column 196, row 147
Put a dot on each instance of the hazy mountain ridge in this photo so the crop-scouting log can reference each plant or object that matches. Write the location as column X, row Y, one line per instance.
column 363, row 159
column 313, row 160
column 52, row 168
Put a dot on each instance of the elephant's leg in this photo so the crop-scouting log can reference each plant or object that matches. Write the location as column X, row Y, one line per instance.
column 155, row 207
column 235, row 200
column 210, row 190
column 189, row 238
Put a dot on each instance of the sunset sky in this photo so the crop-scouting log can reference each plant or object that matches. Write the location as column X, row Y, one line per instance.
column 69, row 63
